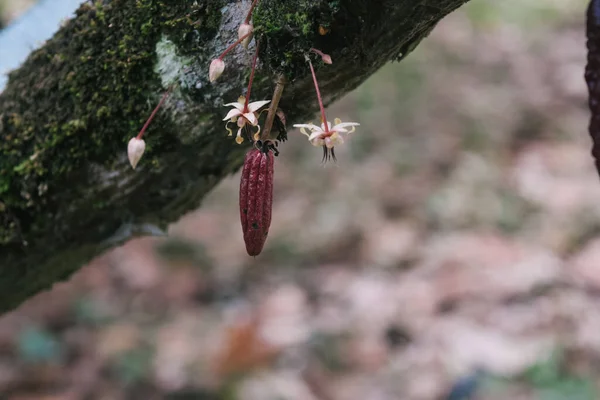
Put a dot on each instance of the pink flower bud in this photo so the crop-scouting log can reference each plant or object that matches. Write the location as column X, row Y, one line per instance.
column 245, row 29
column 326, row 58
column 216, row 69
column 135, row 150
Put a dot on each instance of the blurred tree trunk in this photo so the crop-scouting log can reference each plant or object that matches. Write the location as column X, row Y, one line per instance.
column 67, row 192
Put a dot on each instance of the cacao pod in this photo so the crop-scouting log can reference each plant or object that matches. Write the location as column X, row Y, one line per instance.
column 592, row 75
column 256, row 198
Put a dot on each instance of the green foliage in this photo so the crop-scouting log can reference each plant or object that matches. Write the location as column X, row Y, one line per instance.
column 552, row 382
column 133, row 366
column 294, row 26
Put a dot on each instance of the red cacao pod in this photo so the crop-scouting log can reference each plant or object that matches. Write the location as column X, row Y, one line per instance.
column 592, row 75
column 256, row 198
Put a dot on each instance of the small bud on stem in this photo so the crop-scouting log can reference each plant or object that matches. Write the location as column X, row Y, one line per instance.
column 135, row 151
column 218, row 65
column 216, row 69
column 246, row 28
column 243, row 31
column 136, row 146
column 325, row 57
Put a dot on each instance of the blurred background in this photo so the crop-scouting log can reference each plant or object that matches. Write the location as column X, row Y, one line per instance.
column 453, row 252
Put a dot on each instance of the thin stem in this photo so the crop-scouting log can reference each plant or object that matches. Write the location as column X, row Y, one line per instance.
column 149, row 120
column 251, row 78
column 317, row 51
column 323, row 117
column 247, row 21
column 240, row 40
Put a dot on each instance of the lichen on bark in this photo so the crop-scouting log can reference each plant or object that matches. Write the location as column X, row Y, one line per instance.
column 66, row 115
column 98, row 75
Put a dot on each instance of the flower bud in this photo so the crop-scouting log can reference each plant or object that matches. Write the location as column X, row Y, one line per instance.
column 326, row 58
column 216, row 69
column 135, row 150
column 245, row 29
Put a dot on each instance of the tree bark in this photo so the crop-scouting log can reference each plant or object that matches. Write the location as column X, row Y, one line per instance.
column 67, row 192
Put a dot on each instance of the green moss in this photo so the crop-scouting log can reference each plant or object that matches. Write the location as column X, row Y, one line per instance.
column 301, row 25
column 109, row 80
column 288, row 25
column 73, row 104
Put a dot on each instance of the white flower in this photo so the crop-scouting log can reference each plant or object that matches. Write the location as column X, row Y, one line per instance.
column 135, row 150
column 243, row 115
column 327, row 136
column 217, row 66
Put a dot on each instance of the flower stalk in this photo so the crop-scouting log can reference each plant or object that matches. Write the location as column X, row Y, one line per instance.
column 249, row 90
column 325, row 135
column 137, row 145
column 154, row 112
column 217, row 66
column 319, row 99
column 244, row 113
column 249, row 15
column 233, row 45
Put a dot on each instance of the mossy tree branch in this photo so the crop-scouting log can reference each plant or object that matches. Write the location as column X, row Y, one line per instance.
column 67, row 192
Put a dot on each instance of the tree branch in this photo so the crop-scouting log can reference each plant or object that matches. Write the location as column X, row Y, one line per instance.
column 67, row 192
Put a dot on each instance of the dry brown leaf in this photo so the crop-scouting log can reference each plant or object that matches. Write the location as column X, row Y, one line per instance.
column 243, row 349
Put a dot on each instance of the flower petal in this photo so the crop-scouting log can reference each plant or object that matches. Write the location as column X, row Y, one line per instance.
column 238, row 138
column 328, row 126
column 345, row 124
column 303, row 131
column 336, row 139
column 251, row 117
column 228, row 129
column 315, row 135
column 257, row 104
column 318, row 142
column 329, row 143
column 341, row 127
column 309, row 126
column 257, row 134
column 232, row 114
column 239, row 106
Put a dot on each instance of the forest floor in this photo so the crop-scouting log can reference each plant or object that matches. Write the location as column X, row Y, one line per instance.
column 454, row 244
